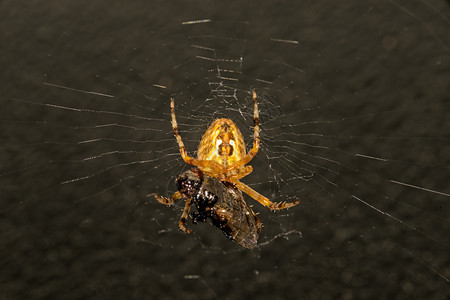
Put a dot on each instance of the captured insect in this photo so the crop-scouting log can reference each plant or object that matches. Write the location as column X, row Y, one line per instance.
column 222, row 160
column 222, row 203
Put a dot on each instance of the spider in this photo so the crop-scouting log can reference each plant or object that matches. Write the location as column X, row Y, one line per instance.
column 222, row 155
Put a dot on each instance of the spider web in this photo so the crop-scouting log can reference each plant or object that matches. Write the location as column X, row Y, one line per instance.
column 353, row 103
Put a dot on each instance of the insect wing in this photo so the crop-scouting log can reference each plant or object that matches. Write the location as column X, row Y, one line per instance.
column 232, row 214
column 243, row 225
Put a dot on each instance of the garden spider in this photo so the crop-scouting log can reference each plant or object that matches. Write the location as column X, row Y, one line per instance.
column 222, row 155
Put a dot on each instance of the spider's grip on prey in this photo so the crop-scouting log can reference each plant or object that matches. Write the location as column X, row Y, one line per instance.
column 222, row 155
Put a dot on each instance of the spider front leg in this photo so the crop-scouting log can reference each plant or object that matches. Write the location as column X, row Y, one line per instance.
column 184, row 216
column 261, row 199
column 170, row 201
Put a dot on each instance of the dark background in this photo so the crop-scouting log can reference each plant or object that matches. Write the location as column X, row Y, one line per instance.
column 365, row 77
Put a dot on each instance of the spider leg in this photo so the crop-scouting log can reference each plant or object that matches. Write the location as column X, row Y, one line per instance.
column 168, row 201
column 261, row 199
column 247, row 158
column 202, row 164
column 237, row 174
column 184, row 216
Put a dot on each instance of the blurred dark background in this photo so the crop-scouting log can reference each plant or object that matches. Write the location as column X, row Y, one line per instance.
column 351, row 81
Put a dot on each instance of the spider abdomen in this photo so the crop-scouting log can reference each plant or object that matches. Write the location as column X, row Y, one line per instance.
column 222, row 142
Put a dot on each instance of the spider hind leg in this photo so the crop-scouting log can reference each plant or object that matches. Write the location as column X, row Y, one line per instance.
column 203, row 164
